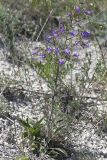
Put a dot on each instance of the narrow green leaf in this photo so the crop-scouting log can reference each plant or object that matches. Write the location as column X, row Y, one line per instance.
column 58, row 129
column 24, row 123
column 60, row 150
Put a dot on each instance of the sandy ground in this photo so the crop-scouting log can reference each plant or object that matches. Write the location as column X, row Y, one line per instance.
column 87, row 134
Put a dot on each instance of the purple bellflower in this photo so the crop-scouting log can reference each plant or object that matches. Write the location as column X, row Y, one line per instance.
column 85, row 34
column 56, row 51
column 73, row 33
column 88, row 12
column 42, row 55
column 49, row 49
column 76, row 55
column 48, row 38
column 61, row 61
column 67, row 51
column 78, row 9
column 69, row 14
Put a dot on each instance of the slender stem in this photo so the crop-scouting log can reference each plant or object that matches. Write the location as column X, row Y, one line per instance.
column 53, row 103
column 44, row 25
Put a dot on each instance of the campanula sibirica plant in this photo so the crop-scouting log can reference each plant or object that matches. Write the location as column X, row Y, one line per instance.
column 61, row 53
column 60, row 57
column 62, row 62
column 62, row 48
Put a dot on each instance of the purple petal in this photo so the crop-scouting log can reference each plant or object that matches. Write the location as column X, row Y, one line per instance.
column 35, row 51
column 85, row 34
column 73, row 33
column 42, row 55
column 54, row 33
column 76, row 55
column 69, row 14
column 78, row 9
column 49, row 49
column 57, row 50
column 67, row 51
column 77, row 43
column 61, row 61
column 48, row 38
column 62, row 29
column 88, row 12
